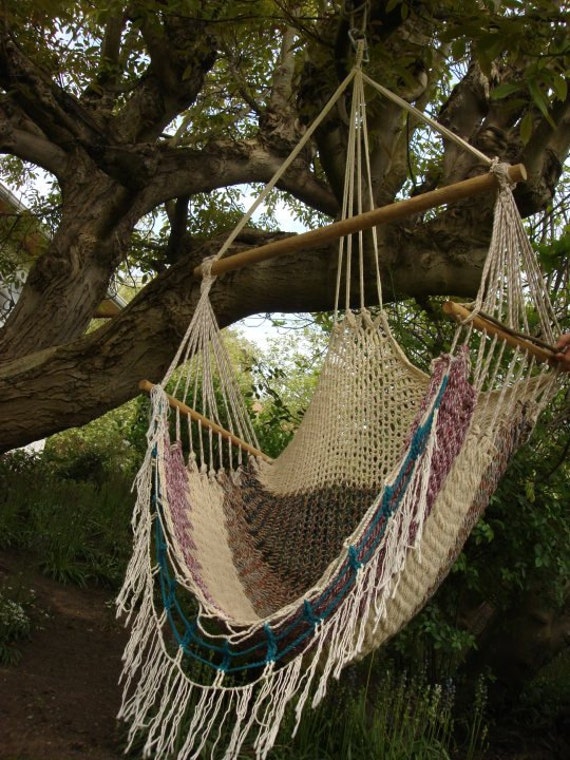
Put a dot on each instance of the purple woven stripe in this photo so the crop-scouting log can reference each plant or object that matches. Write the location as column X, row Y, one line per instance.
column 455, row 414
column 175, row 499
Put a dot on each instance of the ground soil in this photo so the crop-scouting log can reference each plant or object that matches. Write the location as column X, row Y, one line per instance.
column 60, row 700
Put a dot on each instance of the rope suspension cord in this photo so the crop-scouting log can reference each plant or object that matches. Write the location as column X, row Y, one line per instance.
column 443, row 131
column 314, row 238
column 357, row 180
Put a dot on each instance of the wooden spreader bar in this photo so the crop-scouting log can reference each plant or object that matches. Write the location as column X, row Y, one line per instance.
column 542, row 353
column 383, row 215
column 146, row 385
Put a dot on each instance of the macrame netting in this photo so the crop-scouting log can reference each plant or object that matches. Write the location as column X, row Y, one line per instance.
column 298, row 566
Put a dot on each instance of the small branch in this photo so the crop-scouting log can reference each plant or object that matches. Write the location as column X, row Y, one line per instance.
column 178, row 226
column 105, row 83
column 282, row 82
column 111, row 45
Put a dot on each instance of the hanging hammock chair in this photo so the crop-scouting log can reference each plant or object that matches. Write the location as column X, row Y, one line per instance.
column 298, row 566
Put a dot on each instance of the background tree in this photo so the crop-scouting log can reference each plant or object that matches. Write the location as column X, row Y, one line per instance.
column 146, row 115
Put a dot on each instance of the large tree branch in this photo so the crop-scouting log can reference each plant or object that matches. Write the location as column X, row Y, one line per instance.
column 182, row 171
column 58, row 113
column 69, row 280
column 63, row 377
column 19, row 137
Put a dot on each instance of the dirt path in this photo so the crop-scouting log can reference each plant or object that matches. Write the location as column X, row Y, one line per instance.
column 59, row 702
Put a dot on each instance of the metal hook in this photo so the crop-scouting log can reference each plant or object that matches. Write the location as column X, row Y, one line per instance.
column 358, row 41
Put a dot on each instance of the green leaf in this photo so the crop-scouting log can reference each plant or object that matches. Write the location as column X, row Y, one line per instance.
column 560, row 87
column 458, row 48
column 504, row 90
column 540, row 101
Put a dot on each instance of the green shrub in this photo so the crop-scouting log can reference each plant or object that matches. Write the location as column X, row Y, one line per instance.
column 79, row 530
column 15, row 625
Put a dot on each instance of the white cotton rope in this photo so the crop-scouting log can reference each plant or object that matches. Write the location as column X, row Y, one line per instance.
column 356, row 181
column 447, row 133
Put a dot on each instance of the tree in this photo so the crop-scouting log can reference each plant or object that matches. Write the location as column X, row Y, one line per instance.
column 154, row 107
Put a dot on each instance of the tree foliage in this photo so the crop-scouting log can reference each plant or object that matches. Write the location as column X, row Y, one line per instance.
column 133, row 129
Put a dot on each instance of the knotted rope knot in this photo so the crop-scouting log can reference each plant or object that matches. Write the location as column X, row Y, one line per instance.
column 159, row 401
column 207, row 276
column 501, row 171
column 350, row 319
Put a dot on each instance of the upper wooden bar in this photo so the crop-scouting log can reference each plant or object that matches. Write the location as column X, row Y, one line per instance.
column 383, row 215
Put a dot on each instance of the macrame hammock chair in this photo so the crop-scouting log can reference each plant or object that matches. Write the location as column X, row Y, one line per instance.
column 301, row 565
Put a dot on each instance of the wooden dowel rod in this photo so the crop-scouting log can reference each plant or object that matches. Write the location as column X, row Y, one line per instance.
column 146, row 385
column 460, row 313
column 391, row 213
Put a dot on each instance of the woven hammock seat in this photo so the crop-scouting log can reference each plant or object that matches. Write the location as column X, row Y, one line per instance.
column 298, row 566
